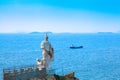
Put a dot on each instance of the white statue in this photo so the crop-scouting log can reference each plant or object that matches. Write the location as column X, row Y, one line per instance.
column 47, row 52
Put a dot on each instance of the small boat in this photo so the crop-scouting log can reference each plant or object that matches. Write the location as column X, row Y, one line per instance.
column 73, row 47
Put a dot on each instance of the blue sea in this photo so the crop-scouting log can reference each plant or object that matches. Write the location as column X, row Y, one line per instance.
column 99, row 59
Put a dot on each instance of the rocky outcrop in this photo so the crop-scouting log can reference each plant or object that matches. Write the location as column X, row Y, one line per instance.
column 69, row 76
column 32, row 73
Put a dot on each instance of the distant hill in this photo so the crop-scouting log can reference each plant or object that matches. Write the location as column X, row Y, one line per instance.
column 40, row 32
column 105, row 33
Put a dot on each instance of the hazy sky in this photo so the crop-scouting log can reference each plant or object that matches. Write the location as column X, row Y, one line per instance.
column 59, row 15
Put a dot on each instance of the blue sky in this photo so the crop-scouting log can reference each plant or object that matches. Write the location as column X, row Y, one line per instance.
column 76, row 16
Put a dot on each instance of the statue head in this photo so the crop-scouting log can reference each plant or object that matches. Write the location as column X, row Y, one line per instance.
column 46, row 37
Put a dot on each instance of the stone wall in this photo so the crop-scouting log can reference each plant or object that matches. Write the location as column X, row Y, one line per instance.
column 24, row 74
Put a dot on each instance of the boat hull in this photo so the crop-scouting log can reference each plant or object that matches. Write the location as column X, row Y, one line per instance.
column 76, row 47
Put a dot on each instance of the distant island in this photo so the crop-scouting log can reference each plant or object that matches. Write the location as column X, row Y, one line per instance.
column 105, row 33
column 40, row 32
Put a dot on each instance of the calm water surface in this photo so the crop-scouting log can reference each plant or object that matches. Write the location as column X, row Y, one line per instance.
column 98, row 60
